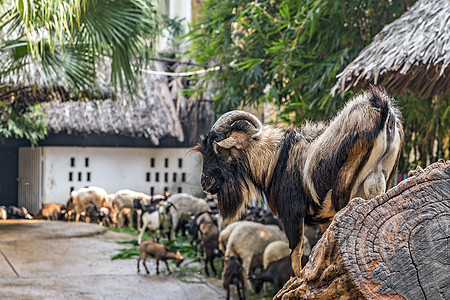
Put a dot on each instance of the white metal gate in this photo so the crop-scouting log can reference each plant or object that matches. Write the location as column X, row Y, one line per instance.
column 31, row 170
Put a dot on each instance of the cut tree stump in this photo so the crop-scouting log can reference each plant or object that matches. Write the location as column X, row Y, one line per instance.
column 395, row 246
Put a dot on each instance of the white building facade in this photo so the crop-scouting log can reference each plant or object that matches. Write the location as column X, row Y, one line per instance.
column 48, row 174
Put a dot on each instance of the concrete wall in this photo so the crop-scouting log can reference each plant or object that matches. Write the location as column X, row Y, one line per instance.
column 148, row 170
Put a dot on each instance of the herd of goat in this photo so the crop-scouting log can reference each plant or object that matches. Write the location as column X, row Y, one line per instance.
column 253, row 250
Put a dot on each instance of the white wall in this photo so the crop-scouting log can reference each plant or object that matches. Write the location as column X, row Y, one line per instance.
column 179, row 9
column 118, row 168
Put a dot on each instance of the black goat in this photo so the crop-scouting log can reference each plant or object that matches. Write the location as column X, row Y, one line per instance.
column 15, row 212
column 277, row 273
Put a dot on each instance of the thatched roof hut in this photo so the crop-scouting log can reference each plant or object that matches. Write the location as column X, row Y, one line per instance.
column 155, row 112
column 413, row 53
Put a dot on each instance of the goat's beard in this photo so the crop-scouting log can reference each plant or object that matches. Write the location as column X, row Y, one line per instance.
column 233, row 197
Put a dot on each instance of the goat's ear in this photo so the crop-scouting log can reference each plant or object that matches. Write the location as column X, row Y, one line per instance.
column 231, row 142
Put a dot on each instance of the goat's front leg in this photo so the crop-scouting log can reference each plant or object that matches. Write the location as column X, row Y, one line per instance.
column 212, row 266
column 138, row 263
column 167, row 266
column 297, row 252
column 240, row 286
column 157, row 266
column 139, row 222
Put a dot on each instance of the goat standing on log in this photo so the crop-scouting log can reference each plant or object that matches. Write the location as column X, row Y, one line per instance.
column 307, row 173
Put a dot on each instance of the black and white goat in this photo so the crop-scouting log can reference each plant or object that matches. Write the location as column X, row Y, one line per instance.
column 308, row 173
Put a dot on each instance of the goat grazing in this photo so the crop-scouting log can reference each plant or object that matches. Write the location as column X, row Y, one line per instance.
column 210, row 241
column 14, row 212
column 51, row 211
column 158, row 252
column 181, row 207
column 277, row 272
column 126, row 199
column 232, row 274
column 307, row 173
column 83, row 196
column 248, row 241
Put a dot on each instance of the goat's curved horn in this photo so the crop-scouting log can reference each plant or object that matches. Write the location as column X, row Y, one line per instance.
column 227, row 119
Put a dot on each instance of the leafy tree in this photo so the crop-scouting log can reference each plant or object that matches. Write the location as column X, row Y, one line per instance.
column 58, row 48
column 288, row 52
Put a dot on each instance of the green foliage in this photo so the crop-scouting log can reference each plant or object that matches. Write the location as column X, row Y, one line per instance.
column 30, row 124
column 427, row 130
column 180, row 244
column 69, row 39
column 284, row 52
column 64, row 46
column 288, row 53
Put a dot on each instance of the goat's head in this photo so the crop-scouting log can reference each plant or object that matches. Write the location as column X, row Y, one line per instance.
column 178, row 259
column 225, row 169
column 257, row 282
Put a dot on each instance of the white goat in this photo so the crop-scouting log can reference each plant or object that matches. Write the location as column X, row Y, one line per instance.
column 154, row 221
column 183, row 207
column 3, row 213
column 83, row 196
column 125, row 199
column 275, row 251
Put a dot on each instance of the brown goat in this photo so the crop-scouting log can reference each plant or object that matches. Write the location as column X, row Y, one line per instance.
column 307, row 173
column 51, row 211
column 233, row 275
column 210, row 240
column 159, row 252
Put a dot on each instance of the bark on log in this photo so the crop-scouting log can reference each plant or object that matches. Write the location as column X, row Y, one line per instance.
column 395, row 246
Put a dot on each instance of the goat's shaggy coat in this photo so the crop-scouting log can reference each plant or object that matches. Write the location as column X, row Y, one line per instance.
column 307, row 173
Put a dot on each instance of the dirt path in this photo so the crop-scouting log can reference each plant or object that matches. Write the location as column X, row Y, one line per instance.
column 59, row 260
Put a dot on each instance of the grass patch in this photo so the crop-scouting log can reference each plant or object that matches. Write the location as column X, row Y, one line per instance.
column 190, row 267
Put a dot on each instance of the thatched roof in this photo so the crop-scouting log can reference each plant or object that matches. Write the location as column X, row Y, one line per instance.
column 151, row 113
column 413, row 52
